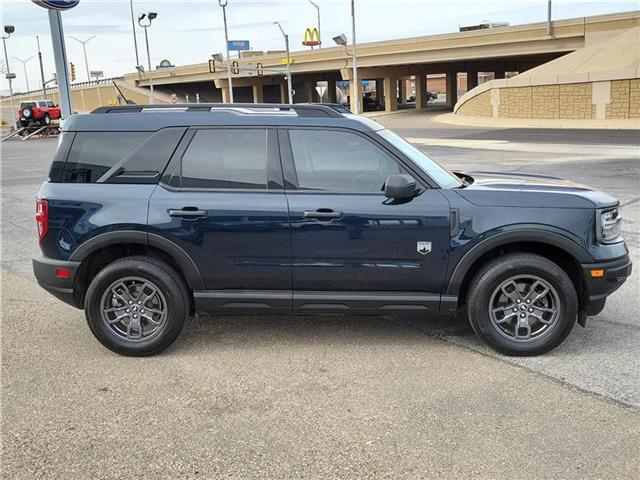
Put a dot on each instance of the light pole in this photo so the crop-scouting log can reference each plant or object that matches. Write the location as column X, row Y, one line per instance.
column 223, row 4
column 146, row 24
column 286, row 43
column 317, row 7
column 548, row 18
column 133, row 28
column 84, row 49
column 9, row 29
column 356, row 94
column 44, row 85
column 24, row 67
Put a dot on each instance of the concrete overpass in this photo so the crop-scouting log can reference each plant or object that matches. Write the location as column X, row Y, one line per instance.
column 391, row 65
column 498, row 50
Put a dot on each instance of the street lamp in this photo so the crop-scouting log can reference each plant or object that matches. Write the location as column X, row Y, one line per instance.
column 342, row 41
column 317, row 7
column 44, row 84
column 146, row 24
column 286, row 43
column 9, row 29
column 24, row 67
column 84, row 49
column 133, row 28
column 223, row 4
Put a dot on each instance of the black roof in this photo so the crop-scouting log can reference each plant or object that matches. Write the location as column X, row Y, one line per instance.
column 155, row 117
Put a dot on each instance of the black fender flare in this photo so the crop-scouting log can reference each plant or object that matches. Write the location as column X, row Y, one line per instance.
column 504, row 238
column 182, row 259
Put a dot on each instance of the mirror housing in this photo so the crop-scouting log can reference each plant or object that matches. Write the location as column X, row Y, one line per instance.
column 400, row 187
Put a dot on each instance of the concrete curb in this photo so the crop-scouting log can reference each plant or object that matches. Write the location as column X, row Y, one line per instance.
column 490, row 122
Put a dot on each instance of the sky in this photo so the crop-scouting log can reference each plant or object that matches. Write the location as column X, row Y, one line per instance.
column 187, row 32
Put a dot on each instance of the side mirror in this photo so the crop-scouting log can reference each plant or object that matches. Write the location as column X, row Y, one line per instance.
column 400, row 187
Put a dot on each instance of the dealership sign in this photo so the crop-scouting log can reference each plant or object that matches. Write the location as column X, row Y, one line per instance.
column 57, row 4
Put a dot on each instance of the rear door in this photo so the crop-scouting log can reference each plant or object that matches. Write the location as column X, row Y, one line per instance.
column 222, row 202
column 347, row 238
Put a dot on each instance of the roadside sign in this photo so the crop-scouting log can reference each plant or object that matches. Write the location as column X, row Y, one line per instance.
column 238, row 45
column 283, row 61
column 174, row 98
column 96, row 73
column 10, row 76
column 165, row 64
column 56, row 4
column 311, row 37
column 321, row 89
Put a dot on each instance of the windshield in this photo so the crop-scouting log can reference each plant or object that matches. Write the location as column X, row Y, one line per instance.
column 437, row 172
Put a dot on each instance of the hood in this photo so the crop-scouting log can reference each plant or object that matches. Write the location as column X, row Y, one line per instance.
column 526, row 190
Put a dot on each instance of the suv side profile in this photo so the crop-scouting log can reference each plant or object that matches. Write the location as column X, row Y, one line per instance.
column 153, row 213
column 38, row 111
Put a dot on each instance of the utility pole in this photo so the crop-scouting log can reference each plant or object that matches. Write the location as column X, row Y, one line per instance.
column 133, row 28
column 356, row 94
column 289, row 82
column 223, row 4
column 548, row 18
column 24, row 68
column 317, row 7
column 44, row 85
column 9, row 29
column 84, row 49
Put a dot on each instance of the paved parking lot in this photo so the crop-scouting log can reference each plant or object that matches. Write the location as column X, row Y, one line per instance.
column 326, row 397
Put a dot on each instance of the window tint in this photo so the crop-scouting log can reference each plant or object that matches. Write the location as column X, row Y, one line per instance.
column 226, row 158
column 50, row 103
column 340, row 162
column 94, row 153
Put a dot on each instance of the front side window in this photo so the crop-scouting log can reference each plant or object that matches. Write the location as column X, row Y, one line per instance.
column 443, row 177
column 334, row 161
column 94, row 153
column 226, row 158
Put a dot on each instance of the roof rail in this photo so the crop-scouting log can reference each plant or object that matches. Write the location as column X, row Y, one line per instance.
column 302, row 110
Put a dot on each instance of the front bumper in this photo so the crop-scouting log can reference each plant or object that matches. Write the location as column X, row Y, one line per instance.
column 615, row 272
column 47, row 272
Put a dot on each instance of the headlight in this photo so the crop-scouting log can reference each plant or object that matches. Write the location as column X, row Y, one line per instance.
column 610, row 226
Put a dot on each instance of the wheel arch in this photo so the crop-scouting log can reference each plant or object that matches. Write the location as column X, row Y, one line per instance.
column 555, row 247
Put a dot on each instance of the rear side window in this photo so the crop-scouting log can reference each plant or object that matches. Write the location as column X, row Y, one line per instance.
column 27, row 104
column 226, row 158
column 94, row 153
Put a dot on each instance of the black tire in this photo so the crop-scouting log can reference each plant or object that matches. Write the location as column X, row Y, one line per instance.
column 493, row 275
column 46, row 120
column 172, row 288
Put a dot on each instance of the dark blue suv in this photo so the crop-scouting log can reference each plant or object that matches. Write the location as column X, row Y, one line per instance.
column 153, row 213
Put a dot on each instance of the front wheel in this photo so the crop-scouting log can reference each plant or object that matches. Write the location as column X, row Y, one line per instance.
column 522, row 304
column 46, row 120
column 136, row 306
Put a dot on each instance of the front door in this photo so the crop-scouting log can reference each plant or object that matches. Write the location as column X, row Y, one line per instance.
column 347, row 238
column 222, row 203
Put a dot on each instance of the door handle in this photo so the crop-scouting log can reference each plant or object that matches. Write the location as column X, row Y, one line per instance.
column 188, row 212
column 323, row 214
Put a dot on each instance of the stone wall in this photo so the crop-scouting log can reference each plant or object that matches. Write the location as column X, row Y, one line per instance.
column 614, row 99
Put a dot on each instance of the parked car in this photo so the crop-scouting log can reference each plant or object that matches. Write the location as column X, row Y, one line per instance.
column 41, row 112
column 371, row 105
column 256, row 209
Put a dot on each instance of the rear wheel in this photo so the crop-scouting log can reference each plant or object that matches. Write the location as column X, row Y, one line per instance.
column 522, row 304
column 46, row 120
column 137, row 306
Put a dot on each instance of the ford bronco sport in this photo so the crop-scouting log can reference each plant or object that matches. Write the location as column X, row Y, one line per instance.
column 153, row 213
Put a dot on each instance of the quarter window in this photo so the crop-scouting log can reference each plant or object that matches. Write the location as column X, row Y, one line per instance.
column 226, row 158
column 340, row 162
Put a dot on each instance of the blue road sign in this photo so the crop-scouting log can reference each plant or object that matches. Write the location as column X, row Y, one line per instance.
column 237, row 45
column 57, row 4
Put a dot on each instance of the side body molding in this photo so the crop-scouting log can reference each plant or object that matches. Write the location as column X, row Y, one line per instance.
column 521, row 235
column 184, row 261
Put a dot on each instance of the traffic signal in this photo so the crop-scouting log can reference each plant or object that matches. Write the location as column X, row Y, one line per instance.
column 235, row 67
column 72, row 71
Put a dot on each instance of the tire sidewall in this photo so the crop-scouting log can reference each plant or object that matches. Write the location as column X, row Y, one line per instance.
column 177, row 309
column 492, row 277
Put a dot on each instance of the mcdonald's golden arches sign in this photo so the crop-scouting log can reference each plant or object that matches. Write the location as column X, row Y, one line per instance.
column 311, row 37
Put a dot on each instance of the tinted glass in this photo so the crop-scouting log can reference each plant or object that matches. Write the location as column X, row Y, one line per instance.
column 437, row 172
column 226, row 158
column 27, row 104
column 340, row 162
column 94, row 153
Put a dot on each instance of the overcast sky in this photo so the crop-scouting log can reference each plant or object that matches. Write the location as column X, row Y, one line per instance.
column 189, row 31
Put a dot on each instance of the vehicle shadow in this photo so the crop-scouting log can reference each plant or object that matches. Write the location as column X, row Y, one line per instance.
column 206, row 331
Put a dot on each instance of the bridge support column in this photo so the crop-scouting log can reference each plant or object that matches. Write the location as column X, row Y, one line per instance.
column 452, row 88
column 421, row 90
column 284, row 97
column 331, row 91
column 472, row 79
column 309, row 91
column 379, row 89
column 258, row 93
column 390, row 94
column 355, row 91
column 402, row 90
column 225, row 95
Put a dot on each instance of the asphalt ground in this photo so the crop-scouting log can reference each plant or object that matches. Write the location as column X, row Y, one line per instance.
column 322, row 396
